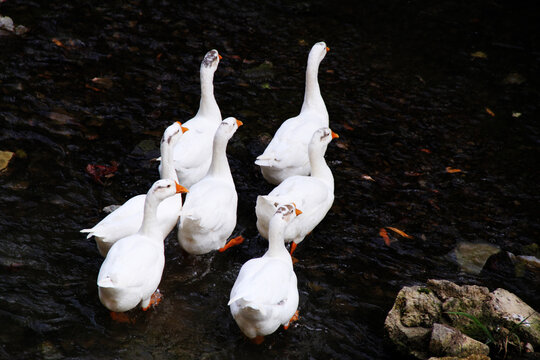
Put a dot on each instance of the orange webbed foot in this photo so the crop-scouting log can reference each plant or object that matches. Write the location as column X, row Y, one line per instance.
column 257, row 340
column 154, row 300
column 293, row 247
column 233, row 242
column 294, row 318
column 121, row 317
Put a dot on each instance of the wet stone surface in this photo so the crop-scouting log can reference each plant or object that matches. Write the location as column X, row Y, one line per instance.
column 436, row 106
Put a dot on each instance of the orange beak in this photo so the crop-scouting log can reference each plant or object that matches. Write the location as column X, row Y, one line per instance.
column 181, row 189
column 296, row 211
column 327, row 49
column 220, row 57
column 334, row 135
column 239, row 123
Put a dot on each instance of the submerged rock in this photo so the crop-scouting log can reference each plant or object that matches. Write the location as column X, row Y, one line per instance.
column 445, row 319
column 471, row 257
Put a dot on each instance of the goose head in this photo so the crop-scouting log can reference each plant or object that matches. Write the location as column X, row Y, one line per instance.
column 173, row 133
column 321, row 138
column 318, row 52
column 228, row 127
column 164, row 188
column 211, row 60
column 287, row 212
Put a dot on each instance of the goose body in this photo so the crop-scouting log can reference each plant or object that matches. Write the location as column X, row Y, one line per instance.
column 287, row 153
column 265, row 294
column 132, row 269
column 193, row 153
column 127, row 219
column 314, row 194
column 209, row 214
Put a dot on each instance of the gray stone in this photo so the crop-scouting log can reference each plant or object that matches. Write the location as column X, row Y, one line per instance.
column 447, row 341
column 510, row 311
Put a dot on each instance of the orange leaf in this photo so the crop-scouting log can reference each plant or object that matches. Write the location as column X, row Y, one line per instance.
column 92, row 88
column 488, row 110
column 451, row 170
column 58, row 42
column 397, row 231
column 385, row 237
column 427, row 151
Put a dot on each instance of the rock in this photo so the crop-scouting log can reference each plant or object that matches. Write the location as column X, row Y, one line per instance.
column 470, row 299
column 471, row 257
column 447, row 341
column 513, row 313
column 409, row 322
column 445, row 319
column 470, row 357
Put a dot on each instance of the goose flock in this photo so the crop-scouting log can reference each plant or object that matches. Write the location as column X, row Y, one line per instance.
column 194, row 161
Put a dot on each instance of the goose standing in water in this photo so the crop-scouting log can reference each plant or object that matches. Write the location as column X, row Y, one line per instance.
column 127, row 219
column 314, row 194
column 193, row 153
column 131, row 272
column 265, row 293
column 208, row 217
column 287, row 154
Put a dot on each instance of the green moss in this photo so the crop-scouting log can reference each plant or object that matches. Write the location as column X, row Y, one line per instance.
column 424, row 291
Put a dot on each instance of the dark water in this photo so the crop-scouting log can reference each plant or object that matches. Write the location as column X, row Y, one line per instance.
column 403, row 92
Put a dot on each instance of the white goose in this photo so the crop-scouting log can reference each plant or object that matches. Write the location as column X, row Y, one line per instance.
column 314, row 194
column 193, row 153
column 132, row 270
column 127, row 219
column 287, row 154
column 265, row 294
column 209, row 214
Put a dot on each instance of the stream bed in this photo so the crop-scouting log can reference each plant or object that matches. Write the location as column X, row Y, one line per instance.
column 436, row 106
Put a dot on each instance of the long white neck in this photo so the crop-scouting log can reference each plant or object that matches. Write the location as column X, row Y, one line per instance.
column 167, row 162
column 276, row 242
column 220, row 165
column 149, row 224
column 208, row 107
column 312, row 94
column 319, row 168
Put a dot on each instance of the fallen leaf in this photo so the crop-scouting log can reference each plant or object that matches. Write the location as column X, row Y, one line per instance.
column 427, row 151
column 348, row 127
column 384, row 235
column 516, row 114
column 452, row 170
column 366, row 177
column 5, row 157
column 103, row 82
column 479, row 55
column 413, row 173
column 92, row 88
column 488, row 110
column 58, row 42
column 99, row 171
column 400, row 232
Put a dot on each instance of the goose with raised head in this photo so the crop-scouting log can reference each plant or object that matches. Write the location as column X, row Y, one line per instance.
column 208, row 217
column 193, row 153
column 127, row 219
column 314, row 193
column 287, row 153
column 265, row 294
column 131, row 272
